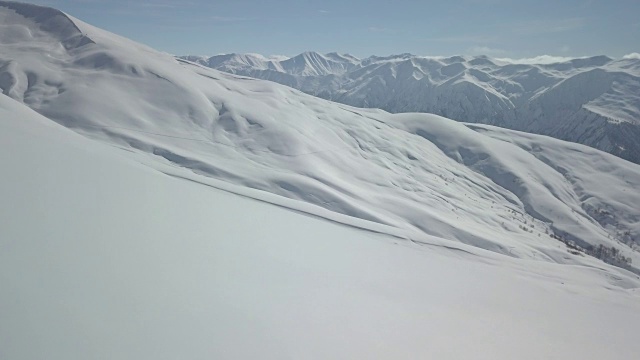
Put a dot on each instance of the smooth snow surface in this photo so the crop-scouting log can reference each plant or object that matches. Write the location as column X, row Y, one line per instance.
column 206, row 215
column 593, row 101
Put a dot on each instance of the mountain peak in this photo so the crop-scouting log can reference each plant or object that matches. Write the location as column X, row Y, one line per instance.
column 311, row 63
column 342, row 57
column 598, row 60
column 454, row 59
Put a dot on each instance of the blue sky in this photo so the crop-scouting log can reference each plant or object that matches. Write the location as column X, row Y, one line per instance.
column 498, row 28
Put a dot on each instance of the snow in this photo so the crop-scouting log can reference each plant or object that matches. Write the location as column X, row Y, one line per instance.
column 155, row 208
column 534, row 95
column 395, row 170
column 105, row 256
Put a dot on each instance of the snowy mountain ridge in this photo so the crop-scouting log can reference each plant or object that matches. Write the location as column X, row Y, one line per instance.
column 594, row 101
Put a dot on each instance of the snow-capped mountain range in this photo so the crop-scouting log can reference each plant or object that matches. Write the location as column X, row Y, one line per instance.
column 593, row 101
column 156, row 208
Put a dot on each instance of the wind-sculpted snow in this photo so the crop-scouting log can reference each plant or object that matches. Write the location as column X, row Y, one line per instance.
column 420, row 173
column 593, row 101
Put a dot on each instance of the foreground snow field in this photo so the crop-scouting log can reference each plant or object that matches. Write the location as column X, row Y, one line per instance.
column 153, row 208
column 104, row 257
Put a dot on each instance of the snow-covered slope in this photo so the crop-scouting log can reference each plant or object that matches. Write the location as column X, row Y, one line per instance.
column 420, row 173
column 593, row 101
column 208, row 215
column 104, row 257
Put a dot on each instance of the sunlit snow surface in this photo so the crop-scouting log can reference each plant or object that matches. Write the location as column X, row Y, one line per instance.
column 135, row 246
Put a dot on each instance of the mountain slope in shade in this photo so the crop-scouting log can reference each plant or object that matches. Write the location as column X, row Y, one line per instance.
column 423, row 175
column 593, row 101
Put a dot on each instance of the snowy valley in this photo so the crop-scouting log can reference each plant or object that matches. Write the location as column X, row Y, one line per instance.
column 153, row 207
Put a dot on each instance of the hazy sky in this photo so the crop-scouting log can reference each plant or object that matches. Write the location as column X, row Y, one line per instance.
column 499, row 28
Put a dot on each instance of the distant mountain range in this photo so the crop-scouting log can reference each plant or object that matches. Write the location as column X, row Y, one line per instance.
column 593, row 101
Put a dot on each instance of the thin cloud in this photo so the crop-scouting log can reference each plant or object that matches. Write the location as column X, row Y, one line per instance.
column 278, row 57
column 635, row 56
column 270, row 57
column 538, row 60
